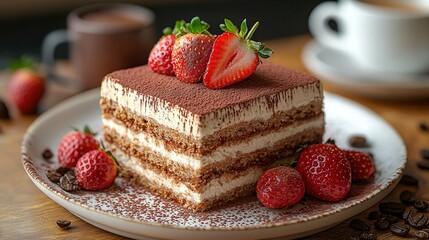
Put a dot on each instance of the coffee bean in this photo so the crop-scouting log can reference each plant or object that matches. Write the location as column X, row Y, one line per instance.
column 374, row 215
column 409, row 180
column 408, row 213
column 421, row 205
column 418, row 221
column 63, row 170
column 358, row 141
column 355, row 237
column 4, row 112
column 53, row 175
column 367, row 236
column 400, row 229
column 382, row 224
column 392, row 219
column 359, row 225
column 423, row 165
column 407, row 197
column 391, row 208
column 426, row 230
column 421, row 235
column 423, row 126
column 425, row 153
column 68, row 182
column 47, row 154
column 63, row 223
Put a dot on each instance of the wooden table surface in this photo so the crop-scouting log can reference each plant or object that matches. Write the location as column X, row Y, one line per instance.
column 26, row 213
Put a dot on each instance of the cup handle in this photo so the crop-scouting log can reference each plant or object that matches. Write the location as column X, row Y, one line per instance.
column 49, row 45
column 318, row 24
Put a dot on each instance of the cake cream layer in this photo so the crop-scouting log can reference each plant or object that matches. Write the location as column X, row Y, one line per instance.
column 196, row 111
column 198, row 179
column 242, row 146
column 214, row 189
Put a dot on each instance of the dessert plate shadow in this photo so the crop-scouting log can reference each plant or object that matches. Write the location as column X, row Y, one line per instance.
column 340, row 70
column 128, row 210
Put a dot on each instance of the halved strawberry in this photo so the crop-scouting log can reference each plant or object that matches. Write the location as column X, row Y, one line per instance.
column 234, row 56
column 191, row 51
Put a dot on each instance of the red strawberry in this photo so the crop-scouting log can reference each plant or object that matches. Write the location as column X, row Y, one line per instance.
column 25, row 90
column 96, row 170
column 326, row 171
column 234, row 56
column 191, row 51
column 363, row 168
column 280, row 187
column 74, row 145
column 160, row 55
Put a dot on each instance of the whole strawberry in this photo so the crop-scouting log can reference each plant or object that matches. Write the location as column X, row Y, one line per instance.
column 326, row 171
column 191, row 51
column 96, row 170
column 363, row 167
column 25, row 90
column 234, row 56
column 160, row 55
column 280, row 187
column 74, row 145
column 160, row 59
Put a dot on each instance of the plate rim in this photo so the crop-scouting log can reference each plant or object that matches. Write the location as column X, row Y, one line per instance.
column 93, row 95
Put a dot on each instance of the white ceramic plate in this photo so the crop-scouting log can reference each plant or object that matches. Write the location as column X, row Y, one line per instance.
column 129, row 210
column 340, row 70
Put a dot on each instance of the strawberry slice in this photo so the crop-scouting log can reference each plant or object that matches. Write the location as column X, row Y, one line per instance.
column 234, row 56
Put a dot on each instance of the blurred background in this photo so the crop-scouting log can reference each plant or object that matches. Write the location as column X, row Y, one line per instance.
column 24, row 23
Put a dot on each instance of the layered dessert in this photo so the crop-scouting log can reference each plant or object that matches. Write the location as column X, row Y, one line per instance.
column 203, row 147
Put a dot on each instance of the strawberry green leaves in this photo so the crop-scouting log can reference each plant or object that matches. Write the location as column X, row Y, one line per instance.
column 258, row 47
column 196, row 26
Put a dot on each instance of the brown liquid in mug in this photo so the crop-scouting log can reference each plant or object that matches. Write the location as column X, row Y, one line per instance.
column 394, row 5
column 112, row 17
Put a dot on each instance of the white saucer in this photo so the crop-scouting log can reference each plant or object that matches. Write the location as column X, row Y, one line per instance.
column 338, row 69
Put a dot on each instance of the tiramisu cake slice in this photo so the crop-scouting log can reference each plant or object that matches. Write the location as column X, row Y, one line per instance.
column 203, row 147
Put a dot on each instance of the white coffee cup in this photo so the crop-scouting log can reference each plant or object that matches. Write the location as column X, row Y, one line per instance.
column 392, row 38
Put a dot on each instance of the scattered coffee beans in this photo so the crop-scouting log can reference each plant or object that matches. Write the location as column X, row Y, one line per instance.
column 409, row 180
column 65, row 178
column 407, row 197
column 418, row 221
column 367, row 236
column 359, row 225
column 358, row 141
column 421, row 205
column 63, row 223
column 408, row 213
column 391, row 208
column 400, row 229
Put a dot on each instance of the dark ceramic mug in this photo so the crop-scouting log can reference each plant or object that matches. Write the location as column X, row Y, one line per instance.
column 104, row 38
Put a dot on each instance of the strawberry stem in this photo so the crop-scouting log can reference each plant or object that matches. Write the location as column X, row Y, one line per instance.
column 258, row 47
column 252, row 30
